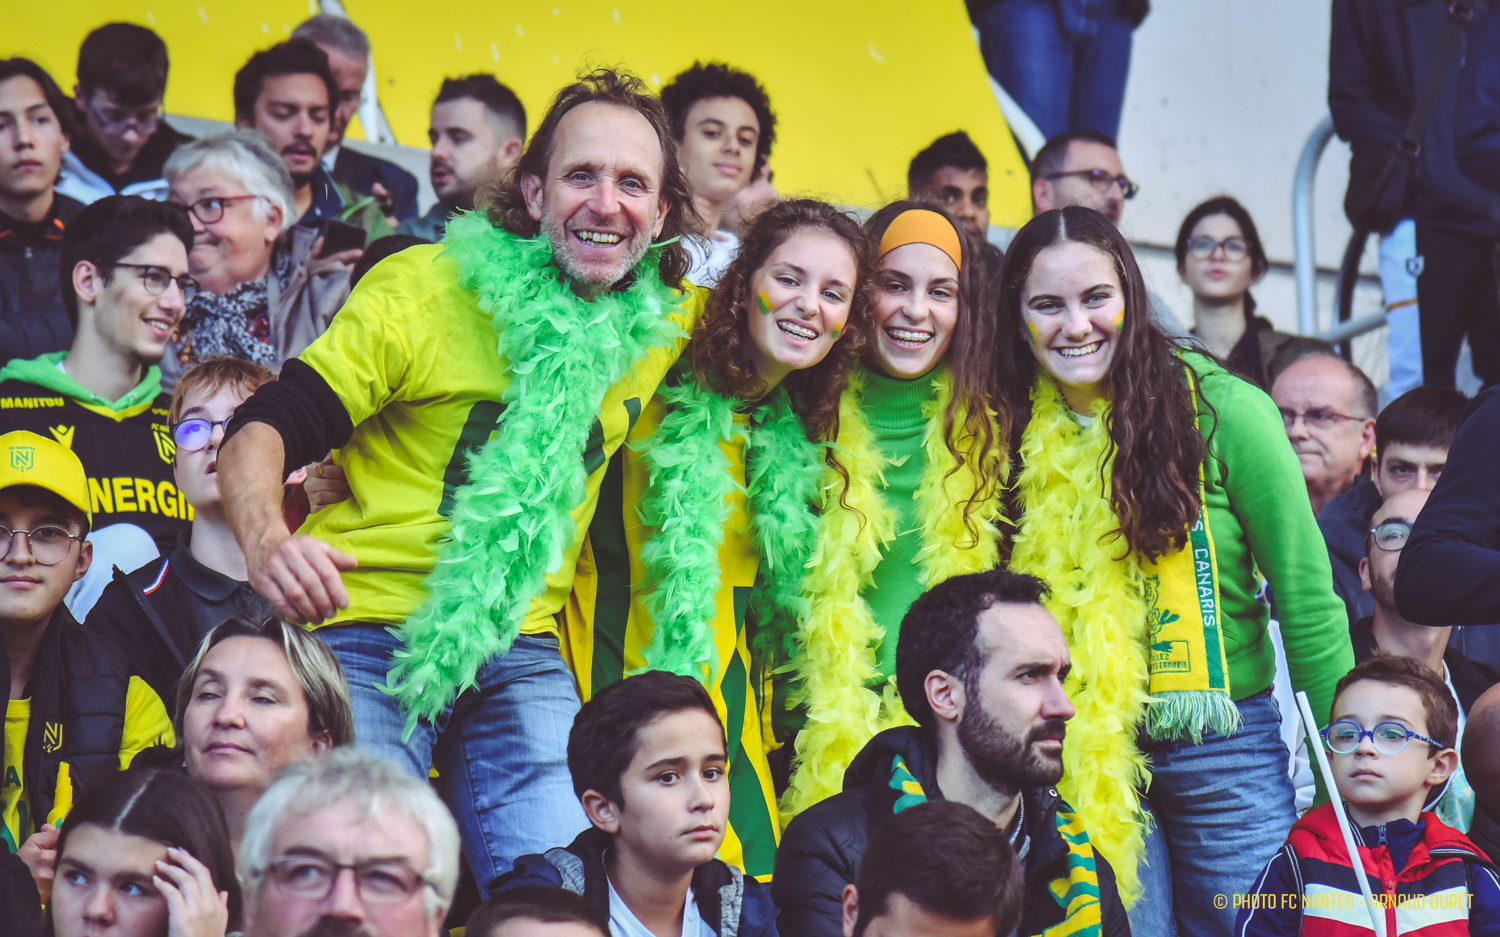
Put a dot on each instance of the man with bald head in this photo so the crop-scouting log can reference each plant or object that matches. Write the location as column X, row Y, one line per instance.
column 1388, row 632
column 1328, row 407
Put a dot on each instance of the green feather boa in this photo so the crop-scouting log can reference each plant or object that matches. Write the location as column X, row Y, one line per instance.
column 687, row 504
column 512, row 523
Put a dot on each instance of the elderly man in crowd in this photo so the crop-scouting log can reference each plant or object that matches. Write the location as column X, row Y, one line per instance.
column 407, row 385
column 347, row 810
column 348, row 51
column 265, row 293
column 478, row 129
column 1329, row 407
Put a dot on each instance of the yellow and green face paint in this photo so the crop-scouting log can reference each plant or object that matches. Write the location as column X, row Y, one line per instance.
column 837, row 332
column 1031, row 332
column 1119, row 320
column 764, row 299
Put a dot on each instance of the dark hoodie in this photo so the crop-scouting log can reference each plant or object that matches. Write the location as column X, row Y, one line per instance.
column 821, row 849
column 728, row 901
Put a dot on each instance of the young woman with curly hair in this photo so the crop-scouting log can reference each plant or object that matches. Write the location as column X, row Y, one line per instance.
column 1155, row 489
column 920, row 455
column 705, row 524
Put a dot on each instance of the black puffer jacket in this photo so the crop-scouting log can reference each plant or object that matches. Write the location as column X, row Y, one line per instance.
column 1380, row 53
column 822, row 847
column 32, row 318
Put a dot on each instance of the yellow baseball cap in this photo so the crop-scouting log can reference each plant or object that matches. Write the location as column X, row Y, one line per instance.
column 29, row 459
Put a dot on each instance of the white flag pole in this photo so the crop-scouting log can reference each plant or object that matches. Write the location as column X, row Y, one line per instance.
column 1315, row 742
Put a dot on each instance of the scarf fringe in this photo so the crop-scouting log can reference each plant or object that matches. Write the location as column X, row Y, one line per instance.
column 1185, row 714
column 1064, row 538
column 512, row 523
column 836, row 673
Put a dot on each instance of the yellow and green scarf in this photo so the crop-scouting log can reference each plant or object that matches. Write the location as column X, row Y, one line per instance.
column 1145, row 638
column 836, row 675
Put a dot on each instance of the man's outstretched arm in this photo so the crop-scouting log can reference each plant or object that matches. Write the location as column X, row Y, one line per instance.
column 268, row 438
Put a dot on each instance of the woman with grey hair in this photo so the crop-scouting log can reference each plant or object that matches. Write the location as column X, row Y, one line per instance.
column 265, row 293
column 259, row 695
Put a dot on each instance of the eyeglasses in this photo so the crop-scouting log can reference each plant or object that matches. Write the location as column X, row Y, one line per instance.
column 116, row 126
column 1392, row 535
column 1203, row 247
column 211, row 210
column 157, row 279
column 1389, row 738
column 1318, row 417
column 1101, row 180
column 47, row 545
column 192, row 435
column 379, row 881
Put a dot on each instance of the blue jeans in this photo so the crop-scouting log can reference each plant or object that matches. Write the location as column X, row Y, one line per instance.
column 500, row 749
column 1063, row 61
column 1221, row 811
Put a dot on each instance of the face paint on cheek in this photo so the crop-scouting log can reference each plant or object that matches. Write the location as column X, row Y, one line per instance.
column 764, row 300
column 1031, row 332
column 837, row 332
column 1119, row 320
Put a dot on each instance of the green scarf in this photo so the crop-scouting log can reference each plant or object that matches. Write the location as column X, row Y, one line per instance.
column 687, row 505
column 513, row 522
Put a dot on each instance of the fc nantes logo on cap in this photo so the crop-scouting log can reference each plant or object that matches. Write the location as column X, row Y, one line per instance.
column 23, row 458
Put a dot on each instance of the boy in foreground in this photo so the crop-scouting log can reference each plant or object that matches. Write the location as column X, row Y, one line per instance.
column 649, row 764
column 1391, row 750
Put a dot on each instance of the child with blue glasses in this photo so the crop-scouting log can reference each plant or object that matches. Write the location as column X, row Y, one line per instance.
column 1391, row 750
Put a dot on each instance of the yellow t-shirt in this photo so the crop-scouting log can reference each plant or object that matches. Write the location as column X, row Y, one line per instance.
column 146, row 724
column 607, row 629
column 413, row 359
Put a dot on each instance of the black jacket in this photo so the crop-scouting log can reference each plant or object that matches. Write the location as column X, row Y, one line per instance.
column 148, row 164
column 1380, row 53
column 79, row 691
column 821, row 848
column 360, row 171
column 729, row 901
column 32, row 318
column 1345, row 521
column 1470, row 678
column 159, row 613
column 1450, row 568
column 1262, row 352
column 1479, row 107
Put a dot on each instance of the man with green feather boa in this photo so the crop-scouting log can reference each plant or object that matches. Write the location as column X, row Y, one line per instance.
column 472, row 393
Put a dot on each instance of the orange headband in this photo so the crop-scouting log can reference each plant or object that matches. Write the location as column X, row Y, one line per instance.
column 920, row 226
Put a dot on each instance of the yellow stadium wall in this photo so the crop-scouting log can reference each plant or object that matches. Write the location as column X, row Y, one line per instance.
column 859, row 86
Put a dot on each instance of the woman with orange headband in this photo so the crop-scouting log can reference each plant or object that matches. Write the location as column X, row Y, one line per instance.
column 912, row 495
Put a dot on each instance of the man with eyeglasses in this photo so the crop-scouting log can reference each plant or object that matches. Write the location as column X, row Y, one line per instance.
column 348, row 51
column 1082, row 167
column 126, row 290
column 74, row 711
column 348, row 844
column 1412, row 436
column 34, row 130
column 1388, row 632
column 160, row 612
column 1328, row 406
column 122, row 141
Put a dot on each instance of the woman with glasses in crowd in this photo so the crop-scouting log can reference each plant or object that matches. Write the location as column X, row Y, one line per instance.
column 1155, row 489
column 912, row 495
column 696, row 556
column 266, row 294
column 145, row 853
column 1219, row 257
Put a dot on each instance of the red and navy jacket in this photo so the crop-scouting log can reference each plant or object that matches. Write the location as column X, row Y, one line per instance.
column 1427, row 878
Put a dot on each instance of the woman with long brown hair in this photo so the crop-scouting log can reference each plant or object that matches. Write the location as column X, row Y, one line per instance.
column 912, row 496
column 1155, row 489
column 696, row 555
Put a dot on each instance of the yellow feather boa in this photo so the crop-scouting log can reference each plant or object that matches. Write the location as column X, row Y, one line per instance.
column 835, row 667
column 1099, row 601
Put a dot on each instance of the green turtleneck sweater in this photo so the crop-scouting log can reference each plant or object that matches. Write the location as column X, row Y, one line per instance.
column 893, row 409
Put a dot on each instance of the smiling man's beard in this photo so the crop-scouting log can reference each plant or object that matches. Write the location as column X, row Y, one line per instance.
column 1002, row 761
column 336, row 927
column 564, row 246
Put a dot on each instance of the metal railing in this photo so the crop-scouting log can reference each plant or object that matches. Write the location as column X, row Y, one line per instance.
column 1304, row 259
